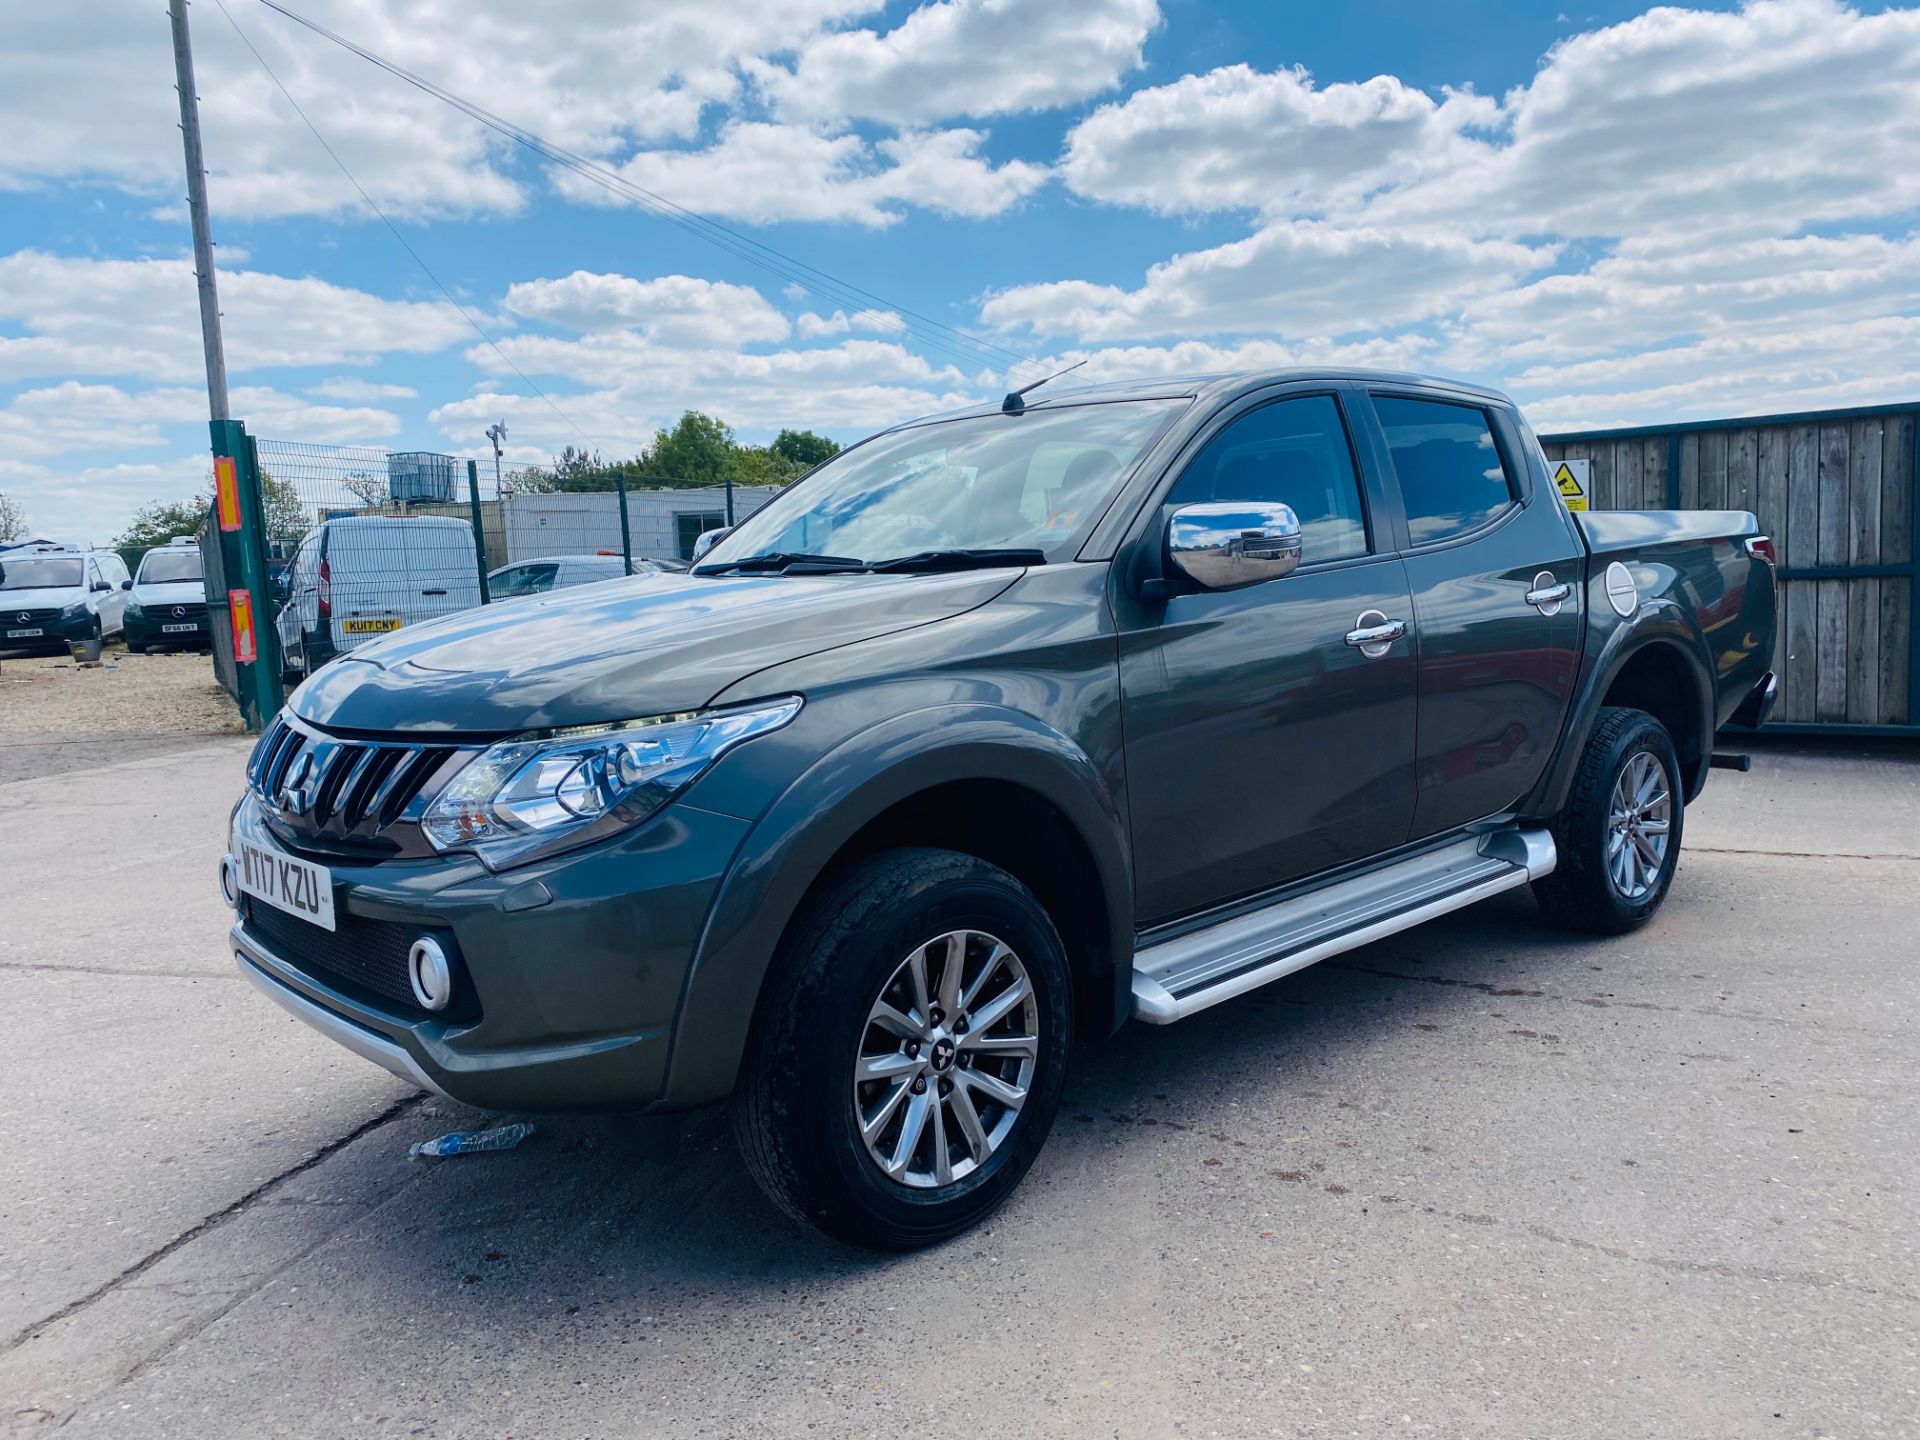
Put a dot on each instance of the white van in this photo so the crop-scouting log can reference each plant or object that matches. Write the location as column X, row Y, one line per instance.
column 168, row 603
column 363, row 576
column 51, row 597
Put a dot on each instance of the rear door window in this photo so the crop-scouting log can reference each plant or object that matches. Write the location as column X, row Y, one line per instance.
column 1452, row 479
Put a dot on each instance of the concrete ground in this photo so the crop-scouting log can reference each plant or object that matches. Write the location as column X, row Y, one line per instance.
column 1481, row 1179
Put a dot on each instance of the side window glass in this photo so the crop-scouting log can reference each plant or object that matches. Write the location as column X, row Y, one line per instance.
column 1451, row 476
column 1294, row 452
column 541, row 577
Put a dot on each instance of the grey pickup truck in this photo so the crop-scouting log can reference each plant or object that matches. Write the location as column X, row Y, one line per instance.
column 993, row 732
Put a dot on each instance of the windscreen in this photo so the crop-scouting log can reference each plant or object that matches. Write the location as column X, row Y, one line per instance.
column 170, row 567
column 39, row 574
column 988, row 482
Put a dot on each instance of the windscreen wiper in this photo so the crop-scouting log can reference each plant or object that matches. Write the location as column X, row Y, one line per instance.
column 930, row 560
column 784, row 562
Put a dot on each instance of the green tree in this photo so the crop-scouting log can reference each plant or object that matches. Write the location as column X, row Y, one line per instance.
column 287, row 515
column 753, row 466
column 157, row 522
column 804, row 448
column 13, row 520
column 699, row 450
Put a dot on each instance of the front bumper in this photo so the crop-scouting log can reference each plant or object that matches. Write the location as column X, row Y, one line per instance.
column 150, row 629
column 55, row 634
column 575, row 967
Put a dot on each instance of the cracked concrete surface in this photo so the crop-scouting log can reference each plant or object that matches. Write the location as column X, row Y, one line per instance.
column 1481, row 1178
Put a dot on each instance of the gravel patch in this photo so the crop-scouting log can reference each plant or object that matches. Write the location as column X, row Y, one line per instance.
column 175, row 694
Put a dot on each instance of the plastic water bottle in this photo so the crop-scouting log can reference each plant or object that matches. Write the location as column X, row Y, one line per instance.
column 472, row 1142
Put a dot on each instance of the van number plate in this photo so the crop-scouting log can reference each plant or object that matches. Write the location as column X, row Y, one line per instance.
column 24, row 634
column 179, row 629
column 370, row 627
column 295, row 886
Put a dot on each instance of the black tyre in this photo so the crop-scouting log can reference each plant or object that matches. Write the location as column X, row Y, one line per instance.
column 910, row 1050
column 1619, row 835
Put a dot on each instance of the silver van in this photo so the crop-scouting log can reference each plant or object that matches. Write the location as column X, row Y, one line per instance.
column 362, row 576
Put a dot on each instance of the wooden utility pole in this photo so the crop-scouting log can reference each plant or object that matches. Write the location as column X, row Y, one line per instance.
column 197, row 209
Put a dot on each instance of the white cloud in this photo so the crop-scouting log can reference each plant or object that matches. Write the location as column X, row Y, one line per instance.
column 765, row 172
column 83, row 94
column 1785, row 114
column 1294, row 278
column 353, row 388
column 1862, row 362
column 964, row 58
column 73, row 417
column 141, row 318
column 879, row 322
column 1240, row 139
column 671, row 310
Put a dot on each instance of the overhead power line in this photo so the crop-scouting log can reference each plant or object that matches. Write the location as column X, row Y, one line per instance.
column 931, row 334
column 425, row 268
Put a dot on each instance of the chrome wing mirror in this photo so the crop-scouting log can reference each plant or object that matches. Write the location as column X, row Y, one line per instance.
column 706, row 540
column 1226, row 544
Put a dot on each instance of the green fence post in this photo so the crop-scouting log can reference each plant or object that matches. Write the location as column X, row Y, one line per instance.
column 626, row 533
column 479, row 529
column 241, row 517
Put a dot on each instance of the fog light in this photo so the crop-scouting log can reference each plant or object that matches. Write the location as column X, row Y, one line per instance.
column 230, row 882
column 430, row 974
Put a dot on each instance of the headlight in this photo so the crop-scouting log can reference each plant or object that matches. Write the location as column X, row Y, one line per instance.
column 524, row 797
column 133, row 611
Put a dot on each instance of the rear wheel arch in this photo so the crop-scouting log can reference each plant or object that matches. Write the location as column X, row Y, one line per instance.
column 825, row 822
column 1656, row 663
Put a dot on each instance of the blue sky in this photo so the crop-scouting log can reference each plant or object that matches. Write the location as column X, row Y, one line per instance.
column 1619, row 214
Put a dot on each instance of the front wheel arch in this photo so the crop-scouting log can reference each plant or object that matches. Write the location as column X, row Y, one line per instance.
column 838, row 810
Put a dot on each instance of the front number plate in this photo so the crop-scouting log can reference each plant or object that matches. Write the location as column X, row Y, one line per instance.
column 24, row 634
column 295, row 886
column 179, row 629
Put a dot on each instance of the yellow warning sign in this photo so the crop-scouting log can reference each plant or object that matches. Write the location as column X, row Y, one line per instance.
column 1570, row 478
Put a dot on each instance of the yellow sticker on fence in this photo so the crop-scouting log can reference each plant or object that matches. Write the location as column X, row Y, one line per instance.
column 1570, row 478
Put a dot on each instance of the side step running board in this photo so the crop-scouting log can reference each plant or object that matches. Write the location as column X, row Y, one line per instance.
column 1176, row 978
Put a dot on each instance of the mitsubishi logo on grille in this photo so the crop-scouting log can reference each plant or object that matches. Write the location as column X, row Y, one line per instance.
column 296, row 795
column 178, row 611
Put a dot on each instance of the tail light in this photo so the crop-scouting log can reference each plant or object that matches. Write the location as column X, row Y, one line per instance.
column 325, row 590
column 1761, row 548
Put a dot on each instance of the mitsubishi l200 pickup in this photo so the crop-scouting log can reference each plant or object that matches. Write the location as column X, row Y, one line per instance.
column 996, row 730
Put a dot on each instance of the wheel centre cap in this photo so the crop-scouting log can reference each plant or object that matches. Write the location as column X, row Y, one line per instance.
column 942, row 1055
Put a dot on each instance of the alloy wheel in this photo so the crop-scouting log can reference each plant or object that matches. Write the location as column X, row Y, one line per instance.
column 946, row 1058
column 1639, row 823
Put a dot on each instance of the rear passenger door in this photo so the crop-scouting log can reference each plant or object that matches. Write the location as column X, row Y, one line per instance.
column 1263, row 744
column 1488, row 549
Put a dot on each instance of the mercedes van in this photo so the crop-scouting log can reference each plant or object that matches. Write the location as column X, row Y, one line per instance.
column 168, row 603
column 52, row 597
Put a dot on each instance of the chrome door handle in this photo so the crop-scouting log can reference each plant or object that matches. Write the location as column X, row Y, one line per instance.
column 1546, row 596
column 1375, row 633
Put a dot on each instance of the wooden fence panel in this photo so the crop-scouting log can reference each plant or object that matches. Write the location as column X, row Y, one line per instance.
column 1836, row 492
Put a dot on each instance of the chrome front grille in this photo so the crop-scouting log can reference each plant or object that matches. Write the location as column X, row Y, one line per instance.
column 348, row 796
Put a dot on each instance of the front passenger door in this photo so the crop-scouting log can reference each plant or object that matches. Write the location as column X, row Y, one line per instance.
column 1262, row 746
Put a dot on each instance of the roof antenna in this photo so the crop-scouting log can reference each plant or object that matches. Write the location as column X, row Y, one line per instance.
column 1014, row 405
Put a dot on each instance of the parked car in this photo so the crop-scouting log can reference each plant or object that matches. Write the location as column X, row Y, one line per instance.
column 359, row 577
column 167, row 606
column 560, row 572
column 996, row 730
column 52, row 597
